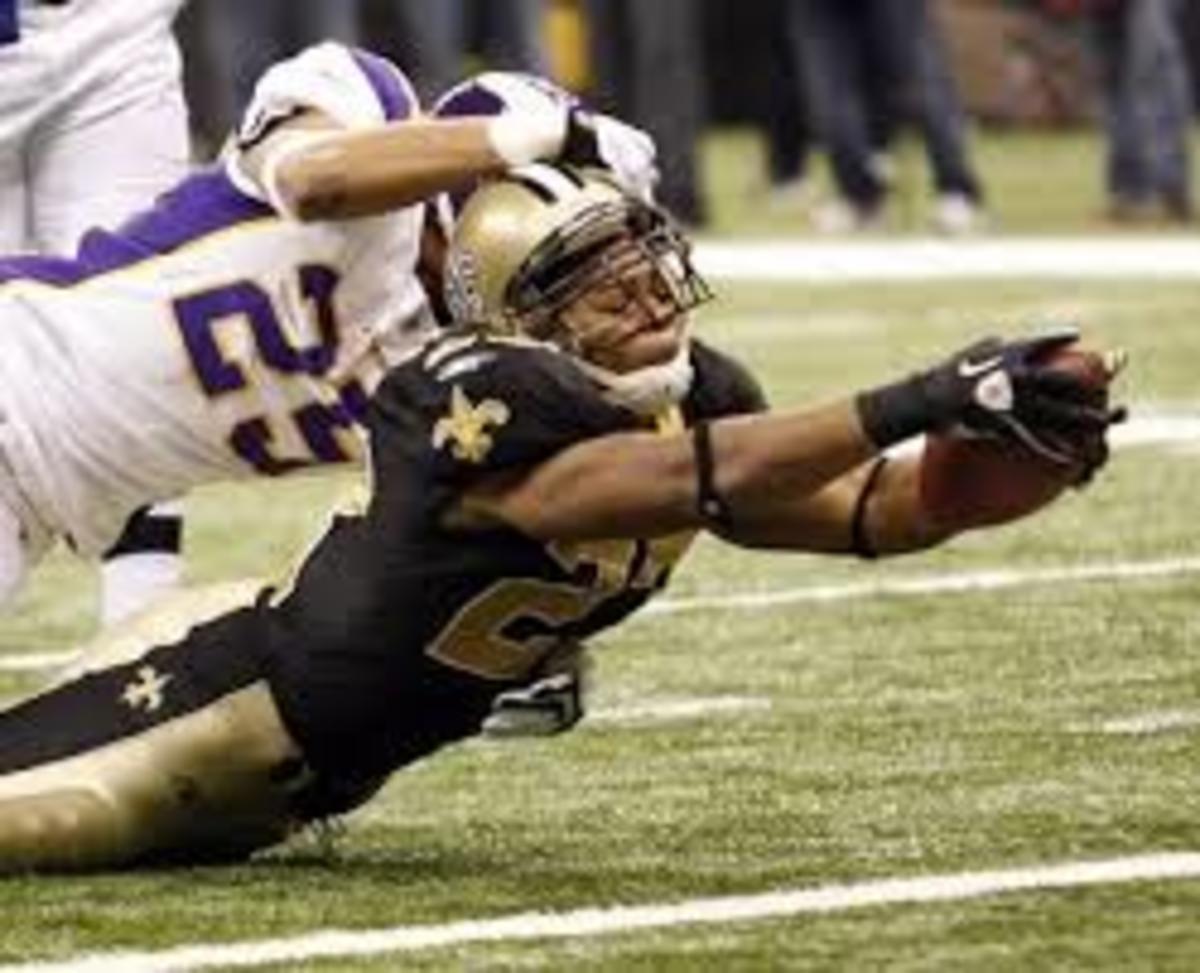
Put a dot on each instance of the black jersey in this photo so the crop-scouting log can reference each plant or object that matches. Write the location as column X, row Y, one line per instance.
column 400, row 629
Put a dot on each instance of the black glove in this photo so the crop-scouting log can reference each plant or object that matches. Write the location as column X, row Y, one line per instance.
column 628, row 154
column 1002, row 389
column 581, row 146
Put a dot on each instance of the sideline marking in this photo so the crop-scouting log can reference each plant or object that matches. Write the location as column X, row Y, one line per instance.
column 918, row 260
column 334, row 943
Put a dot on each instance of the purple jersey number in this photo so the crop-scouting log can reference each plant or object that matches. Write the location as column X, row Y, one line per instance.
column 9, row 29
column 317, row 422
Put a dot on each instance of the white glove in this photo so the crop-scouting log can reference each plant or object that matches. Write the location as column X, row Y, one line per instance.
column 550, row 704
column 544, row 708
column 533, row 119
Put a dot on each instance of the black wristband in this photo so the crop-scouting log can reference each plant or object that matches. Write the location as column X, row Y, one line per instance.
column 860, row 543
column 714, row 509
column 895, row 412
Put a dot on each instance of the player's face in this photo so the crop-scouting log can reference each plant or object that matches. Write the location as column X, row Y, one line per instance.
column 628, row 318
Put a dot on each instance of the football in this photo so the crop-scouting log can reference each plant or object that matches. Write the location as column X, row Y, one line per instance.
column 974, row 481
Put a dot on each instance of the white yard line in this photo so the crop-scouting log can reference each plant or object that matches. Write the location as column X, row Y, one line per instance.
column 933, row 584
column 1152, row 428
column 333, row 943
column 671, row 710
column 917, row 260
column 963, row 582
column 34, row 661
column 1150, row 723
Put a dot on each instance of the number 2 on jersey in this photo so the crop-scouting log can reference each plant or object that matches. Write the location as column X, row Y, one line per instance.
column 220, row 373
column 504, row 632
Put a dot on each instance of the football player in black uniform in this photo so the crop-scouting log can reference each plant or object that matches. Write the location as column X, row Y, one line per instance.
column 535, row 476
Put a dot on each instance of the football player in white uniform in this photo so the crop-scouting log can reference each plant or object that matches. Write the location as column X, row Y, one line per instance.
column 92, row 116
column 93, row 123
column 237, row 327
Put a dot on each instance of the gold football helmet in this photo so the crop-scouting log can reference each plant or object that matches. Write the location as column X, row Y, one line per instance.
column 526, row 245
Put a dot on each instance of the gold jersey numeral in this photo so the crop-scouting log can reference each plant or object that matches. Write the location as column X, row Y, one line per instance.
column 479, row 640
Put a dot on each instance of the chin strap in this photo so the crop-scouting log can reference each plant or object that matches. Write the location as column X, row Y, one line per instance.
column 650, row 390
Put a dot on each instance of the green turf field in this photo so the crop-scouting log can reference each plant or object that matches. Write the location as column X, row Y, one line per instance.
column 738, row 750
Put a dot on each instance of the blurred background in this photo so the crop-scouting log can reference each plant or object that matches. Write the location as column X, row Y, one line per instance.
column 833, row 117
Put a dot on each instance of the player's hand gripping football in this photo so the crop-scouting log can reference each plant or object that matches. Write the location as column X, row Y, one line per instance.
column 994, row 467
column 1041, row 393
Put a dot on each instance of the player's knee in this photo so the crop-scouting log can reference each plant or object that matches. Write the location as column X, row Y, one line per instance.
column 215, row 785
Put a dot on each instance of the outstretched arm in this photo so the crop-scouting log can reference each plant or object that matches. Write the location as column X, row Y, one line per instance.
column 645, row 484
column 789, row 481
column 802, row 480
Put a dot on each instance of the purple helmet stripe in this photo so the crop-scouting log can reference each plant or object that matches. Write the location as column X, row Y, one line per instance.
column 202, row 204
column 396, row 95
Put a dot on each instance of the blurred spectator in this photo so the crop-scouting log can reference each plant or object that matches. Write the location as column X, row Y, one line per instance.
column 94, row 118
column 850, row 48
column 1191, row 47
column 508, row 34
column 788, row 120
column 647, row 64
column 1148, row 109
column 785, row 113
column 230, row 43
column 425, row 37
column 94, row 123
column 431, row 39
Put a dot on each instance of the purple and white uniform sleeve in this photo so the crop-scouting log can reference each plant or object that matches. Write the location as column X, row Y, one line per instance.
column 353, row 87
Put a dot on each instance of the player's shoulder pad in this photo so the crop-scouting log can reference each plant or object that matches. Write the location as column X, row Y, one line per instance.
column 721, row 386
column 510, row 400
column 350, row 85
column 535, row 374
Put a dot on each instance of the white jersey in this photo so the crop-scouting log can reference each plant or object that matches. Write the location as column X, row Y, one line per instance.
column 81, row 40
column 92, row 116
column 208, row 337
